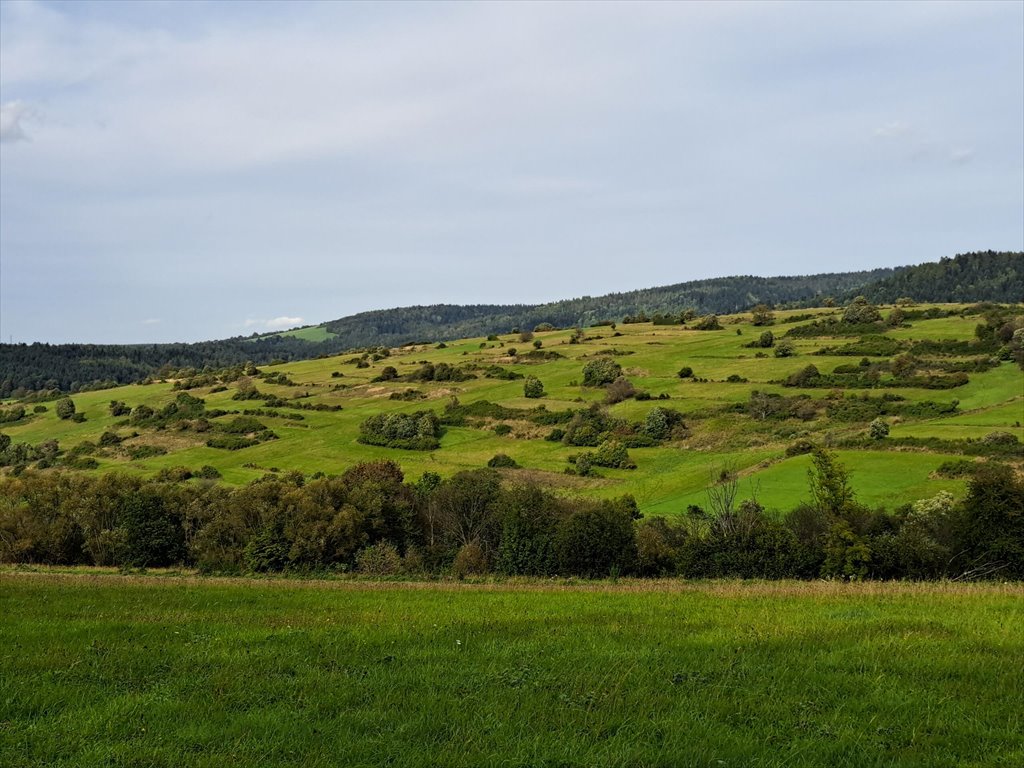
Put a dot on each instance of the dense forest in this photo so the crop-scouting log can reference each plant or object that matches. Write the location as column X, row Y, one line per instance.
column 721, row 295
column 983, row 276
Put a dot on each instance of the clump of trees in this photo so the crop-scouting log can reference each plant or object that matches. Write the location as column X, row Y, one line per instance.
column 419, row 431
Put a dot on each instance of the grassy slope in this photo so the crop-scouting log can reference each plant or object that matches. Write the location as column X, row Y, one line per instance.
column 181, row 672
column 668, row 477
column 312, row 333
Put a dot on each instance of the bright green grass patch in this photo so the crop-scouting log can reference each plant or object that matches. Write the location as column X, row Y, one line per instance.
column 168, row 672
column 879, row 478
column 313, row 333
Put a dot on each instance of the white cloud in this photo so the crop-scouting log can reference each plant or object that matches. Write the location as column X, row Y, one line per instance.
column 961, row 155
column 276, row 324
column 283, row 323
column 11, row 115
column 892, row 130
column 151, row 321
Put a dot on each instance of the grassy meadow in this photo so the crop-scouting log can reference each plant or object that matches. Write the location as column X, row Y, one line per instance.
column 101, row 670
column 668, row 477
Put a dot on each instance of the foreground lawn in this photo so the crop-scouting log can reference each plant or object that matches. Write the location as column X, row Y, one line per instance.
column 150, row 671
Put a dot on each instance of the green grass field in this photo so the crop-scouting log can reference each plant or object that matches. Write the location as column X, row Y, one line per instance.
column 667, row 478
column 165, row 671
column 312, row 333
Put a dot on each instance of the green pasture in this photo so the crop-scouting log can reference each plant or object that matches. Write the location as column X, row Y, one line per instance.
column 150, row 671
column 667, row 478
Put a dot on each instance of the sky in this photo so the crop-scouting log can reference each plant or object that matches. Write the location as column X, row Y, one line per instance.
column 181, row 171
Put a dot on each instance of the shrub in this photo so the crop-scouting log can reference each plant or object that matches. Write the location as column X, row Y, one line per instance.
column 419, row 431
column 118, row 408
column 502, row 461
column 533, row 387
column 956, row 468
column 380, row 559
column 762, row 315
column 65, row 408
column 502, row 429
column 601, row 371
column 686, row 372
column 470, row 560
column 11, row 415
column 109, row 438
column 799, row 448
column 785, row 348
column 613, row 454
column 231, row 442
column 660, row 423
column 708, row 323
column 861, row 312
column 208, row 473
column 619, row 390
column 1000, row 438
column 388, row 373
column 879, row 429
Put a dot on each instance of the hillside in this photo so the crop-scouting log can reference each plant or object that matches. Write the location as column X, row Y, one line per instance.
column 986, row 276
column 935, row 380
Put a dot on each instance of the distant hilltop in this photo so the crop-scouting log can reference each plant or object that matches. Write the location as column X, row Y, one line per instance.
column 969, row 277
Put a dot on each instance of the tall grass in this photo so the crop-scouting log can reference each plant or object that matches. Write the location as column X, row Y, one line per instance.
column 106, row 670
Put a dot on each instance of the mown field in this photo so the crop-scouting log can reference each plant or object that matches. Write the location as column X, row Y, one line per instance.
column 668, row 477
column 177, row 671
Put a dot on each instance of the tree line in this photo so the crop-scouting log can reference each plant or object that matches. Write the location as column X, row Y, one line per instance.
column 371, row 520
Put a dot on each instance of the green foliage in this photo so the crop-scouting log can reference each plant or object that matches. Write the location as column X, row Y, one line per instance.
column 785, row 348
column 664, row 423
column 502, row 461
column 388, row 373
column 533, row 387
column 601, row 371
column 991, row 523
column 829, row 484
column 762, row 315
column 861, row 312
column 598, row 539
column 229, row 442
column 419, row 431
column 118, row 408
column 879, row 429
column 12, row 415
column 847, row 555
column 380, row 559
column 707, row 323
column 65, row 408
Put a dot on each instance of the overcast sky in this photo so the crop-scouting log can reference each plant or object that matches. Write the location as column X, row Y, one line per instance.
column 179, row 171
